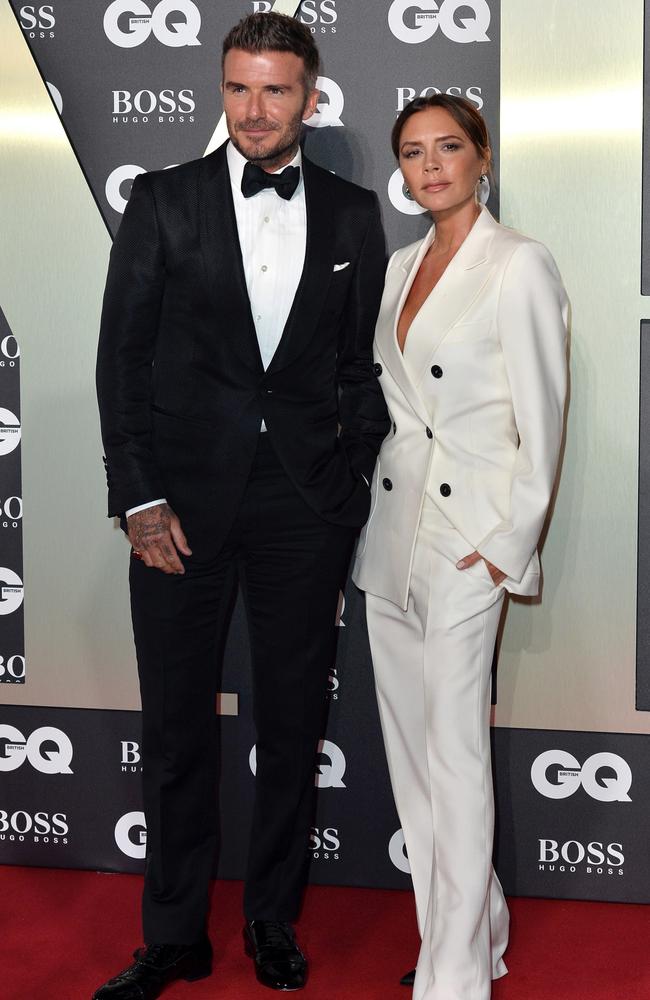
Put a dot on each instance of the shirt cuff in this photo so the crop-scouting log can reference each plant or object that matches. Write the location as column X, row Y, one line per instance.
column 144, row 506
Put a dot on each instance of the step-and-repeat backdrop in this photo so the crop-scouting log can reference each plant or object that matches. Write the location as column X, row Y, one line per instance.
column 99, row 92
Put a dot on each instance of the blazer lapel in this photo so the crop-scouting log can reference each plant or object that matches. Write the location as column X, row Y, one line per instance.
column 316, row 274
column 222, row 259
column 461, row 282
column 399, row 279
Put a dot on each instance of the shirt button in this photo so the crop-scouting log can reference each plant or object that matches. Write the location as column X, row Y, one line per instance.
column 266, row 218
column 386, row 483
column 436, row 371
column 269, row 392
column 445, row 489
column 377, row 369
column 264, row 267
column 429, row 433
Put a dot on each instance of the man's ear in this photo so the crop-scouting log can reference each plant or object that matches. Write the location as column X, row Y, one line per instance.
column 311, row 105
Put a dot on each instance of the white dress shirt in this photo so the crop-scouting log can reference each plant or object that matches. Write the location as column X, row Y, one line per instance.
column 273, row 238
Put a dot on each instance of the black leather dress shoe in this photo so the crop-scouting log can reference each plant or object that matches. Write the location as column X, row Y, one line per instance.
column 408, row 979
column 155, row 967
column 279, row 962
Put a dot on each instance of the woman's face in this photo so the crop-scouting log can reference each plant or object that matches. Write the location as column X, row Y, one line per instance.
column 439, row 162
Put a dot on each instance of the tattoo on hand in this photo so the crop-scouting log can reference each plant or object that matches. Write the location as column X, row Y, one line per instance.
column 147, row 526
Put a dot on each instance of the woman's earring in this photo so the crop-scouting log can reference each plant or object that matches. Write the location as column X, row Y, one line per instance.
column 483, row 189
column 407, row 193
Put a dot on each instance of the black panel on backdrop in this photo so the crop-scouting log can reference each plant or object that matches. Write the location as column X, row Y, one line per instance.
column 142, row 92
column 643, row 545
column 55, row 761
column 12, row 638
column 572, row 811
column 571, row 806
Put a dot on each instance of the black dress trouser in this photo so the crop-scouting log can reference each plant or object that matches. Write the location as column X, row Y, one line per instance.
column 292, row 565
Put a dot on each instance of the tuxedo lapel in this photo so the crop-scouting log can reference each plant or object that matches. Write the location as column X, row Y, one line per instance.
column 222, row 257
column 316, row 274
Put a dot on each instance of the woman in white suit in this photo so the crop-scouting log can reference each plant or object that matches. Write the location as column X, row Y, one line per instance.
column 470, row 351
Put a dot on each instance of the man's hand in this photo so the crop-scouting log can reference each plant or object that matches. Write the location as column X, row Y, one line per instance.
column 496, row 574
column 157, row 538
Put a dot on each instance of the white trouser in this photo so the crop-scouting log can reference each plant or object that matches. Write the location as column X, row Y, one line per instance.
column 432, row 670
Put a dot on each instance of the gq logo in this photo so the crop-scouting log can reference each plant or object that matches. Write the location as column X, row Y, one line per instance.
column 9, row 431
column 55, row 94
column 131, row 835
column 175, row 23
column 399, row 198
column 571, row 775
column 11, row 591
column 48, row 750
column 330, row 768
column 397, row 853
column 114, row 182
column 426, row 16
column 327, row 113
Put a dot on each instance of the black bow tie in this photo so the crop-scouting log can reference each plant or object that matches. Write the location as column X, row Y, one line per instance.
column 255, row 179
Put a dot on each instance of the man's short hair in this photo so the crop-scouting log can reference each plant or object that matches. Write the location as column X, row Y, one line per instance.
column 273, row 32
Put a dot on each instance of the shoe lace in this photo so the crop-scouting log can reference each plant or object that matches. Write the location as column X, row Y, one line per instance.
column 278, row 935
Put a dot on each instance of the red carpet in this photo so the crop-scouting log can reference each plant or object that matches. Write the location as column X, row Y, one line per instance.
column 63, row 933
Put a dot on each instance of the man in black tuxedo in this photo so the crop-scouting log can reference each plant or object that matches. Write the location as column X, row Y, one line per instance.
column 241, row 416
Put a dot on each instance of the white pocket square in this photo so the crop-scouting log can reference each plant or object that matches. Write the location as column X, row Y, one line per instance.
column 341, row 267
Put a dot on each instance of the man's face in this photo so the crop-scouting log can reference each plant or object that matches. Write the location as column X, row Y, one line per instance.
column 265, row 104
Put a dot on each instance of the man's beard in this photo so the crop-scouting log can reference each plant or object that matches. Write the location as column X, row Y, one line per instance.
column 287, row 141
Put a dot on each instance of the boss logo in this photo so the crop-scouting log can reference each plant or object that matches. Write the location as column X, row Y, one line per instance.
column 330, row 766
column 406, row 94
column 43, row 827
column 415, row 21
column 324, row 844
column 9, row 351
column 11, row 512
column 316, row 14
column 594, row 858
column 175, row 23
column 131, row 835
column 37, row 22
column 327, row 112
column 131, row 757
column 12, row 669
column 48, row 750
column 397, row 853
column 592, row 775
column 11, row 591
column 166, row 105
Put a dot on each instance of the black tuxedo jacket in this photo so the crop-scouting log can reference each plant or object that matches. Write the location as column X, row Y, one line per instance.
column 181, row 386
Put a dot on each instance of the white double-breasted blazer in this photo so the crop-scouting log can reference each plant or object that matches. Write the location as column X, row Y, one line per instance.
column 477, row 413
